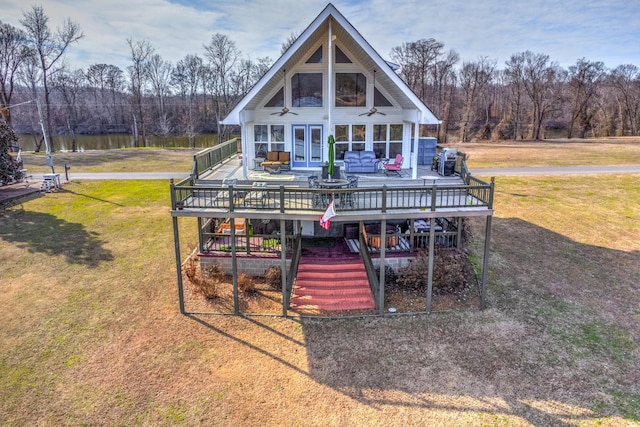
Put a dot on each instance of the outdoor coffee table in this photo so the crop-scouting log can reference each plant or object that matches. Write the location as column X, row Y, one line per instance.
column 331, row 184
column 425, row 178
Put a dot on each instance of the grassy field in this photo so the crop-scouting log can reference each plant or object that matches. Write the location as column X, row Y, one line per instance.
column 92, row 334
column 565, row 152
column 122, row 160
column 574, row 152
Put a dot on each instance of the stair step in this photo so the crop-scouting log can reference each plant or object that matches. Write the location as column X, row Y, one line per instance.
column 337, row 277
column 344, row 293
column 334, row 284
column 334, row 305
column 329, row 284
column 322, row 267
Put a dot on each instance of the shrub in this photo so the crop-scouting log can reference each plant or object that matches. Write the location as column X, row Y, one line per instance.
column 213, row 272
column 9, row 168
column 449, row 271
column 467, row 232
column 246, row 284
column 390, row 276
column 273, row 277
column 204, row 281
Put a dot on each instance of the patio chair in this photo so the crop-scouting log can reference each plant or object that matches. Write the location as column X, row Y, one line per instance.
column 318, row 198
column 394, row 167
column 353, row 183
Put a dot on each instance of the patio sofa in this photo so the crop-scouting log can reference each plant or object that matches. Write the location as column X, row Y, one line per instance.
column 360, row 162
column 277, row 160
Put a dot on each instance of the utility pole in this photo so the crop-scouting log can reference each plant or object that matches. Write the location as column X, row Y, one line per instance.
column 46, row 143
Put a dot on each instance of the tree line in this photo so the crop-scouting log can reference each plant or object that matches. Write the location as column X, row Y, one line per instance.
column 529, row 97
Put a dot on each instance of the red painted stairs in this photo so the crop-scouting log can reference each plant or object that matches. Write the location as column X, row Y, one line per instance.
column 331, row 285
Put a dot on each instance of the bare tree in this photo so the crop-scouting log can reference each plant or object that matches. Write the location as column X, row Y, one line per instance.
column 514, row 78
column 289, row 41
column 141, row 52
column 29, row 75
column 49, row 48
column 417, row 60
column 106, row 83
column 474, row 81
column 160, row 79
column 223, row 57
column 540, row 82
column 606, row 108
column 248, row 73
column 13, row 51
column 444, row 84
column 187, row 77
column 71, row 85
column 625, row 80
column 260, row 68
column 584, row 79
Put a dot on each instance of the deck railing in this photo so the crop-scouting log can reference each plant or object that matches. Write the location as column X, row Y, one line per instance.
column 187, row 195
column 374, row 282
column 206, row 159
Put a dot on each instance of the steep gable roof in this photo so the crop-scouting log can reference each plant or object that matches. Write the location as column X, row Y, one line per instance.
column 349, row 36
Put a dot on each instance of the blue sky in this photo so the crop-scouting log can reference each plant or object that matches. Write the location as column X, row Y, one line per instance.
column 607, row 31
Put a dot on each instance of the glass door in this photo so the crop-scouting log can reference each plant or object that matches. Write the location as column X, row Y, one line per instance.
column 299, row 146
column 307, row 145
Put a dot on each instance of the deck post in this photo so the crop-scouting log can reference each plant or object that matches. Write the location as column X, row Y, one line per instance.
column 412, row 247
column 384, row 199
column 432, row 245
column 383, row 249
column 485, row 256
column 176, row 244
column 283, row 265
column 485, row 264
column 200, row 236
column 234, row 267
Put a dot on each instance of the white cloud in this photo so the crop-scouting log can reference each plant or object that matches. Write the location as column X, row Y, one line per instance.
column 598, row 30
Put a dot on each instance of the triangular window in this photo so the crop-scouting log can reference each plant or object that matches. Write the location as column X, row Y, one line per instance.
column 277, row 100
column 316, row 58
column 379, row 100
column 341, row 58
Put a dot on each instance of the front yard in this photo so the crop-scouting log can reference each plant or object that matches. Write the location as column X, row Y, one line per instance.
column 92, row 334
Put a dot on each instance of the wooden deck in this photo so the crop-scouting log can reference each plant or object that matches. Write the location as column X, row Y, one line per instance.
column 296, row 202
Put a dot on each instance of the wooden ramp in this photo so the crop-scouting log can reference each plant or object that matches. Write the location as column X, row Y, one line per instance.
column 331, row 284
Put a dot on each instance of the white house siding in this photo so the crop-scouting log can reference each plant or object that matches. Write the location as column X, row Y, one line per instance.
column 407, row 108
column 319, row 115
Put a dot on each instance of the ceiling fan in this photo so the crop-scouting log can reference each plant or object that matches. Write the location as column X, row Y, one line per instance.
column 284, row 110
column 373, row 110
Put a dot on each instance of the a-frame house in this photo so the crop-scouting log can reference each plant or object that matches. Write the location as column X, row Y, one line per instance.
column 330, row 81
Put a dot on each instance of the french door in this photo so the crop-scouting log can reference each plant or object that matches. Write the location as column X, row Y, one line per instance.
column 307, row 145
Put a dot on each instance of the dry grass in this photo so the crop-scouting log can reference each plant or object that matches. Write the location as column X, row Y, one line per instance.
column 122, row 160
column 92, row 335
column 565, row 152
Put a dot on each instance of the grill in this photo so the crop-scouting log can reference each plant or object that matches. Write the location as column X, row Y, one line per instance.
column 447, row 161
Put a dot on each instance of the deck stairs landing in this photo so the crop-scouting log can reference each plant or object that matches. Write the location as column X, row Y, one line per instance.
column 331, row 284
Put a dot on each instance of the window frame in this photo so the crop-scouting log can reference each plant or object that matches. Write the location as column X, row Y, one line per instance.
column 393, row 138
column 275, row 139
column 358, row 82
column 356, row 138
column 298, row 94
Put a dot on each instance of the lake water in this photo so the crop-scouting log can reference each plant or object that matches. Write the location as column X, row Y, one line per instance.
column 112, row 142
